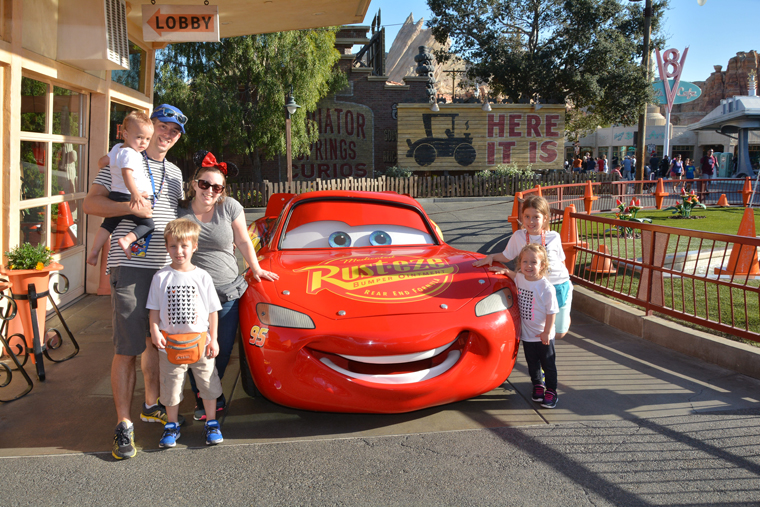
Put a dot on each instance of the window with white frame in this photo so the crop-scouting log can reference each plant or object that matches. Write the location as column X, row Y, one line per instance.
column 53, row 147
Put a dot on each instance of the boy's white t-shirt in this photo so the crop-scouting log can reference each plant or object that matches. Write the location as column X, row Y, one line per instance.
column 123, row 156
column 536, row 300
column 184, row 300
column 553, row 242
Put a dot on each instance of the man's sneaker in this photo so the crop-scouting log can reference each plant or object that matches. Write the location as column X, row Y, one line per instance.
column 538, row 393
column 157, row 414
column 550, row 399
column 124, row 441
column 200, row 412
column 213, row 433
column 170, row 436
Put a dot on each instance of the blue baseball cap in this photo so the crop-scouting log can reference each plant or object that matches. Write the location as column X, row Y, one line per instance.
column 170, row 114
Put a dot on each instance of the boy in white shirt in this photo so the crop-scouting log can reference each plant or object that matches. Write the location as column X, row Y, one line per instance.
column 182, row 301
column 129, row 183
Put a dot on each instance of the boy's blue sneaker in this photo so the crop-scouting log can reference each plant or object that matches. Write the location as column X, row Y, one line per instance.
column 213, row 433
column 170, row 436
column 538, row 393
column 550, row 399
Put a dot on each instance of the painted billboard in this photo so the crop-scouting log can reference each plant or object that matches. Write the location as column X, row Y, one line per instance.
column 346, row 143
column 464, row 137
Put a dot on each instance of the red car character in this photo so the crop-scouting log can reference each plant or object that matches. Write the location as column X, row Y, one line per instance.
column 373, row 312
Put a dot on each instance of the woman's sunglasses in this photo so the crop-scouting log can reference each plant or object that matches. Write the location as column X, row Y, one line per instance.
column 205, row 185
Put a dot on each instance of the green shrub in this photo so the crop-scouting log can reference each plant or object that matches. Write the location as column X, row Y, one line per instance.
column 398, row 172
column 510, row 169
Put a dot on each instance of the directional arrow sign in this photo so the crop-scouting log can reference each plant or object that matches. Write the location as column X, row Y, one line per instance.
column 180, row 23
column 686, row 92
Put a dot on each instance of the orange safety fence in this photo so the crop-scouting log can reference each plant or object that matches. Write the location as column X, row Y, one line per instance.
column 704, row 278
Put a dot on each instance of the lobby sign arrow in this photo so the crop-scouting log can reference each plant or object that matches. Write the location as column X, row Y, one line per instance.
column 180, row 23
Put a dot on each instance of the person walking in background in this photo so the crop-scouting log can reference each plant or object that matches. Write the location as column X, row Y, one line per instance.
column 627, row 168
column 590, row 164
column 602, row 164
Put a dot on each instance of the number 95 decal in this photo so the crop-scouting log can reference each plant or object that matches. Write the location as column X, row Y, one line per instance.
column 258, row 336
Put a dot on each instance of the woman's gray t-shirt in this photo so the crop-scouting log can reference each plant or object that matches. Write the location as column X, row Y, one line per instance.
column 215, row 251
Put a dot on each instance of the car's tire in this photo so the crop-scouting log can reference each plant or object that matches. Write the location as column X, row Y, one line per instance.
column 246, row 379
column 465, row 154
column 425, row 154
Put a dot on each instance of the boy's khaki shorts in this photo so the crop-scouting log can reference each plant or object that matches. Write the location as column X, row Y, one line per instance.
column 173, row 379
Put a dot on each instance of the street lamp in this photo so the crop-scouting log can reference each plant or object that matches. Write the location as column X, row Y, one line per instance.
column 290, row 108
column 645, row 62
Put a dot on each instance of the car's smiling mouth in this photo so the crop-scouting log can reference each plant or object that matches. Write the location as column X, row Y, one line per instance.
column 397, row 369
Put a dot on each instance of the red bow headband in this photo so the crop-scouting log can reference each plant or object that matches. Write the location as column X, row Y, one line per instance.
column 210, row 161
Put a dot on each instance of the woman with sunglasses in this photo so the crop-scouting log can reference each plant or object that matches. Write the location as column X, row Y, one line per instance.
column 222, row 222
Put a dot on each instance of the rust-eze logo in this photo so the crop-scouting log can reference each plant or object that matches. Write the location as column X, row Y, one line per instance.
column 389, row 278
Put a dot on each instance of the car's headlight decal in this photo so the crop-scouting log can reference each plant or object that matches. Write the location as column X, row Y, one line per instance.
column 272, row 315
column 496, row 302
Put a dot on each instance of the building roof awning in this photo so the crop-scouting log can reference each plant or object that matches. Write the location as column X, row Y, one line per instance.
column 736, row 113
column 266, row 16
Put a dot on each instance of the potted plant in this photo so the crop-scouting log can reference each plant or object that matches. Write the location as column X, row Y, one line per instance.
column 27, row 265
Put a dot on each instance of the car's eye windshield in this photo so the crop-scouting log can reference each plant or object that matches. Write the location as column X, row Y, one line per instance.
column 342, row 224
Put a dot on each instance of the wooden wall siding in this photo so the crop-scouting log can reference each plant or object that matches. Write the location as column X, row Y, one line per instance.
column 463, row 137
column 254, row 195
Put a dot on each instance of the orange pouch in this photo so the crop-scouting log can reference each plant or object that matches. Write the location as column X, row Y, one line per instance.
column 185, row 348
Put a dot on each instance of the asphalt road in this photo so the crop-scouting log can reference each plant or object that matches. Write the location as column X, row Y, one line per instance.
column 708, row 456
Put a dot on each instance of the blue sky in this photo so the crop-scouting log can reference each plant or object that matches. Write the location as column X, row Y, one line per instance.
column 714, row 32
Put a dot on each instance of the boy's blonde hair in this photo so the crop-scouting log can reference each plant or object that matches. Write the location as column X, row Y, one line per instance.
column 181, row 229
column 540, row 251
column 539, row 204
column 136, row 118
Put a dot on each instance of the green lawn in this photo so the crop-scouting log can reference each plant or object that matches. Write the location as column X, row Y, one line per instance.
column 720, row 220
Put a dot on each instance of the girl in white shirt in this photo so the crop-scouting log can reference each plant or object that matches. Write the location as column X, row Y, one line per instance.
column 535, row 222
column 538, row 306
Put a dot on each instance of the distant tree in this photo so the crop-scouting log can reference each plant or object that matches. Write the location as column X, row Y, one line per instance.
column 585, row 53
column 234, row 91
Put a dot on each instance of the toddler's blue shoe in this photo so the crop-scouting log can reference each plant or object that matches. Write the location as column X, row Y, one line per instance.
column 213, row 433
column 170, row 436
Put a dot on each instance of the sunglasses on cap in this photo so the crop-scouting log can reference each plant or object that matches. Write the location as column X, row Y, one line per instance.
column 205, row 185
column 169, row 113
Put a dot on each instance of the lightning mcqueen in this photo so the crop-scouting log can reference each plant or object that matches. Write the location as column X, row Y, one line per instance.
column 373, row 312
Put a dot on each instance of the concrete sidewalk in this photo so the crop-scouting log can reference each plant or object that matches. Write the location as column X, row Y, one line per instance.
column 636, row 424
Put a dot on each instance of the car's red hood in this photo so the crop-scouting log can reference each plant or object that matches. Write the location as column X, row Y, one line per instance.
column 380, row 281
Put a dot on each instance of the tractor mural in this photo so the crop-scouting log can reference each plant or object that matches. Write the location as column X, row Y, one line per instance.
column 426, row 150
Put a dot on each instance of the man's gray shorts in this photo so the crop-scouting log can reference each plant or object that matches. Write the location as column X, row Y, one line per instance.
column 129, row 296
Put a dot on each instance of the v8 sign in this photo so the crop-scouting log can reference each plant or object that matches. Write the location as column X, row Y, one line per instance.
column 180, row 23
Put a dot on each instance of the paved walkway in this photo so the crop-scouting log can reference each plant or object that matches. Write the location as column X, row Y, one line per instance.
column 636, row 424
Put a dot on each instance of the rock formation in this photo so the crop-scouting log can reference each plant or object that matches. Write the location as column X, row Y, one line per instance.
column 720, row 85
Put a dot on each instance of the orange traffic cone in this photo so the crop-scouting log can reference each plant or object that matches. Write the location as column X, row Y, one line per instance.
column 589, row 197
column 743, row 260
column 602, row 264
column 746, row 190
column 659, row 193
column 513, row 218
column 63, row 235
column 723, row 202
column 569, row 236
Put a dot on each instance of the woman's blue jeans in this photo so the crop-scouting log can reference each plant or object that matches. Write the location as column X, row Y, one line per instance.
column 226, row 332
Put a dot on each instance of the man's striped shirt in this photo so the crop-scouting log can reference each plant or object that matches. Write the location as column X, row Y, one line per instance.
column 164, row 211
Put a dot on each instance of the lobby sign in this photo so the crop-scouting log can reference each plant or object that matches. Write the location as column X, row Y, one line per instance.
column 686, row 92
column 346, row 143
column 463, row 137
column 180, row 23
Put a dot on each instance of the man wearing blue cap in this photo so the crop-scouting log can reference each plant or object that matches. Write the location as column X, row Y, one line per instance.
column 130, row 278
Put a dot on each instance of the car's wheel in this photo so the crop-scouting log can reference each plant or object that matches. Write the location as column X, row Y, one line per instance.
column 246, row 379
column 465, row 154
column 425, row 154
